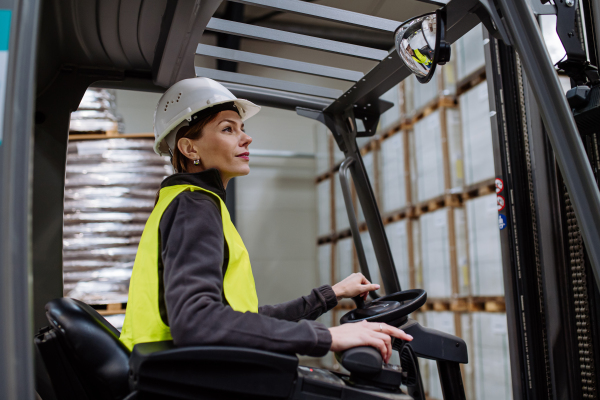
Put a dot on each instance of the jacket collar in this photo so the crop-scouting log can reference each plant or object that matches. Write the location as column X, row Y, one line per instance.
column 209, row 180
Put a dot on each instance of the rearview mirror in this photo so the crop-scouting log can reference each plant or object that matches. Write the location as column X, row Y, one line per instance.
column 421, row 45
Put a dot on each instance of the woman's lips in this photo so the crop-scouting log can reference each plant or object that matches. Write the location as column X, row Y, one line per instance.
column 245, row 156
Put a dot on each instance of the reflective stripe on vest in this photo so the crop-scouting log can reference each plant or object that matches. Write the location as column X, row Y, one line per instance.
column 143, row 322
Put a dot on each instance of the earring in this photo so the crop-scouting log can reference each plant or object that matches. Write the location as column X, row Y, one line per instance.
column 196, row 162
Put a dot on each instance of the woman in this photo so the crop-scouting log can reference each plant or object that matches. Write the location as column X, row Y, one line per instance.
column 192, row 281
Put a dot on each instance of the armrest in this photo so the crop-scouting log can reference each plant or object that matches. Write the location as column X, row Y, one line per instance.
column 161, row 367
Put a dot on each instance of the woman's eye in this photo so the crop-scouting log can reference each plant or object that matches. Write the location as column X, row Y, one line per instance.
column 228, row 129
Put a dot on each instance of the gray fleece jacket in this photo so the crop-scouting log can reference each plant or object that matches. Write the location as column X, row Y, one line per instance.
column 192, row 265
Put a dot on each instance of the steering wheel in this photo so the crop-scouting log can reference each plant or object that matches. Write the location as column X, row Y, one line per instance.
column 392, row 309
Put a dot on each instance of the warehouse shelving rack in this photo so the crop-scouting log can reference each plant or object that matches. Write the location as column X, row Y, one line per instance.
column 62, row 91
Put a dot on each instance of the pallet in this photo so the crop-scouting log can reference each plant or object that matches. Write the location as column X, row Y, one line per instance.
column 470, row 81
column 110, row 309
column 324, row 176
column 440, row 102
column 482, row 189
column 447, row 200
column 465, row 304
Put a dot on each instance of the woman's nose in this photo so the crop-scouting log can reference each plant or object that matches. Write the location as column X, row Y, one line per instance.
column 246, row 140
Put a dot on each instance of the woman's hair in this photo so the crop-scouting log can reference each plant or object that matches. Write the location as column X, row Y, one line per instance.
column 179, row 161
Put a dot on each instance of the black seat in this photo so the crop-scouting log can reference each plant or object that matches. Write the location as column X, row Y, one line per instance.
column 82, row 353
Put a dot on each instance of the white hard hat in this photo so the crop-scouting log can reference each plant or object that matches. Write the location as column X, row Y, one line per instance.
column 177, row 106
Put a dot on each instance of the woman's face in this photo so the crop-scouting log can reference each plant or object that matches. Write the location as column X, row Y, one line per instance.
column 223, row 145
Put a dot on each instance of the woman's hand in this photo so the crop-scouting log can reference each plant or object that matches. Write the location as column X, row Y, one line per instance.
column 365, row 333
column 352, row 286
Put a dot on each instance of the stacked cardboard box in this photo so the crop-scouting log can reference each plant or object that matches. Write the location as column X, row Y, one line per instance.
column 469, row 54
column 398, row 237
column 477, row 135
column 324, row 207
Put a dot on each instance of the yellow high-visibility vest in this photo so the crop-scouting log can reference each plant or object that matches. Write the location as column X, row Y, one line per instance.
column 421, row 58
column 143, row 322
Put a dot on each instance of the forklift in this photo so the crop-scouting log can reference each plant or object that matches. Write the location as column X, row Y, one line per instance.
column 546, row 155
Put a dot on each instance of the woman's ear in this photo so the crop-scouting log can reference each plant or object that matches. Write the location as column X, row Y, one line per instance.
column 187, row 149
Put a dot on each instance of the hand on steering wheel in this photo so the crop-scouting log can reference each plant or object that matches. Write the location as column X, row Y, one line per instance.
column 354, row 285
column 374, row 334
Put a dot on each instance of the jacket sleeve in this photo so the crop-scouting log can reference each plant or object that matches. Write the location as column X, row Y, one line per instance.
column 318, row 302
column 192, row 249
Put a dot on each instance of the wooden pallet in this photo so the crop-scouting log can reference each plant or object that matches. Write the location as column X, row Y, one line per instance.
column 465, row 304
column 470, row 81
column 444, row 101
column 447, row 200
column 482, row 189
column 110, row 309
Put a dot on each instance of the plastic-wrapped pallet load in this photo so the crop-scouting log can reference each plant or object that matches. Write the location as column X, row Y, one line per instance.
column 324, row 207
column 324, row 263
column 436, row 256
column 429, row 154
column 429, row 157
column 490, row 357
column 477, row 135
column 461, row 245
column 397, row 234
column 371, row 259
column 393, row 173
column 96, row 113
column 341, row 215
column 344, row 259
column 469, row 53
column 485, row 256
column 424, row 94
column 110, row 188
column 322, row 149
column 441, row 321
column 391, row 118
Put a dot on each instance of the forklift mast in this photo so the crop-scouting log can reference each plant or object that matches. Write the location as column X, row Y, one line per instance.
column 549, row 168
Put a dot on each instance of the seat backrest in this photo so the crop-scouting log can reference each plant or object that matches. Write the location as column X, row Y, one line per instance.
column 90, row 347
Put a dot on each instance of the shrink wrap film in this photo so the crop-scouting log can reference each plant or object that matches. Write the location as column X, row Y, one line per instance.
column 485, row 254
column 391, row 118
column 344, row 259
column 103, row 229
column 425, row 94
column 441, row 321
column 490, row 356
column 341, row 215
column 429, row 157
column 110, row 190
column 96, row 113
column 397, row 234
column 466, row 329
column 469, row 54
column 435, row 254
column 477, row 135
column 393, row 174
column 429, row 154
column 324, row 262
column 324, row 207
column 455, row 151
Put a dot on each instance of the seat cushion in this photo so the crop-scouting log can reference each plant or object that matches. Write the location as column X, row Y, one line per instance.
column 92, row 347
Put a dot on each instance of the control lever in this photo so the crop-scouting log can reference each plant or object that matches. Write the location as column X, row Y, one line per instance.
column 359, row 301
column 367, row 369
